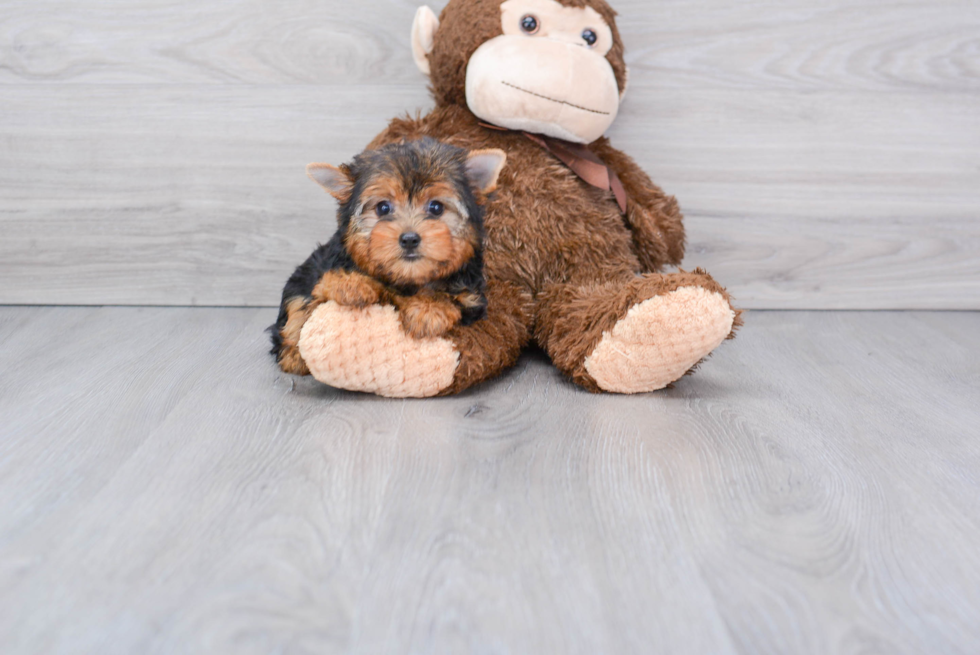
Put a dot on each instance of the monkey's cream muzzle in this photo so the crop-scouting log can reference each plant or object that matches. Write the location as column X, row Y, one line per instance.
column 544, row 86
column 546, row 73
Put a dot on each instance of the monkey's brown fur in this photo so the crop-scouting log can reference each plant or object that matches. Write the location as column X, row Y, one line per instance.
column 465, row 26
column 563, row 264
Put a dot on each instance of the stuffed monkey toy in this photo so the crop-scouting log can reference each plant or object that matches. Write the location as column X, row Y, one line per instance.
column 577, row 235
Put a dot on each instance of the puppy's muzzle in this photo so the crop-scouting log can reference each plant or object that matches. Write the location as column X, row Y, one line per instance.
column 410, row 242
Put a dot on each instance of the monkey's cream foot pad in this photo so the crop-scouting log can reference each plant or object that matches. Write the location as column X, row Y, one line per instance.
column 367, row 350
column 659, row 340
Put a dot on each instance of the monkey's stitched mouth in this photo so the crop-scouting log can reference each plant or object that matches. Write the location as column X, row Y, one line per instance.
column 560, row 102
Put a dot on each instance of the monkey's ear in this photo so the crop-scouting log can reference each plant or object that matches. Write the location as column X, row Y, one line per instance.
column 423, row 37
column 483, row 168
column 333, row 179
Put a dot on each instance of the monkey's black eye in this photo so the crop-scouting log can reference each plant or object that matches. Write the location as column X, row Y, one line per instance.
column 436, row 208
column 530, row 24
column 590, row 37
column 383, row 208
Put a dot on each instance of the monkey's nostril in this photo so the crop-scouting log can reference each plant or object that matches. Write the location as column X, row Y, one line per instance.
column 410, row 240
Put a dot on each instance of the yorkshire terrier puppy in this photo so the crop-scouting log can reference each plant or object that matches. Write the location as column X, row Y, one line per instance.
column 409, row 234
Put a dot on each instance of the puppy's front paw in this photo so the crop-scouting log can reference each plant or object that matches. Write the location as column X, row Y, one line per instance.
column 424, row 317
column 348, row 289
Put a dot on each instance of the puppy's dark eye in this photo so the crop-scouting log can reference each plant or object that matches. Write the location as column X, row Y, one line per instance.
column 383, row 208
column 590, row 37
column 436, row 208
column 530, row 24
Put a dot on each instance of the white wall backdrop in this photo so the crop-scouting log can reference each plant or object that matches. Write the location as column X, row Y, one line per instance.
column 826, row 152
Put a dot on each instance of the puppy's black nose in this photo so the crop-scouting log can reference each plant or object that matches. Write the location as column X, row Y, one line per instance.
column 410, row 240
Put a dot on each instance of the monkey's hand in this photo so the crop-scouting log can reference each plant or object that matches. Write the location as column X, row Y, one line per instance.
column 653, row 216
column 427, row 315
column 351, row 289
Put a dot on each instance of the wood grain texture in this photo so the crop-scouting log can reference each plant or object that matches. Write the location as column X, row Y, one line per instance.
column 812, row 490
column 827, row 155
column 218, row 41
column 835, row 45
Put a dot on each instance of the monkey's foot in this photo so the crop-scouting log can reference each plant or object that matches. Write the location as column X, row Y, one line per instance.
column 660, row 339
column 367, row 350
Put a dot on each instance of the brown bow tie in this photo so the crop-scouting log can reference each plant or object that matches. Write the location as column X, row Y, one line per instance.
column 581, row 161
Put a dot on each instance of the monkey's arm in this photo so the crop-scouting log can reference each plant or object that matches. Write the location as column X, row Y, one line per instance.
column 654, row 217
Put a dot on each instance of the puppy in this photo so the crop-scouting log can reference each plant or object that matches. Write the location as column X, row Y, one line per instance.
column 410, row 234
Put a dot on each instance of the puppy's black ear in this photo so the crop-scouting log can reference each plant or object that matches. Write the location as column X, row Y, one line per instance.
column 335, row 180
column 483, row 168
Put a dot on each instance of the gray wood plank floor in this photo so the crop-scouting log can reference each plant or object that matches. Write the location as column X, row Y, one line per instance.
column 826, row 153
column 814, row 489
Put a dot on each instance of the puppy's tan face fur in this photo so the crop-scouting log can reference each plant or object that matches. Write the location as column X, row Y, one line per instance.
column 411, row 212
column 389, row 219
